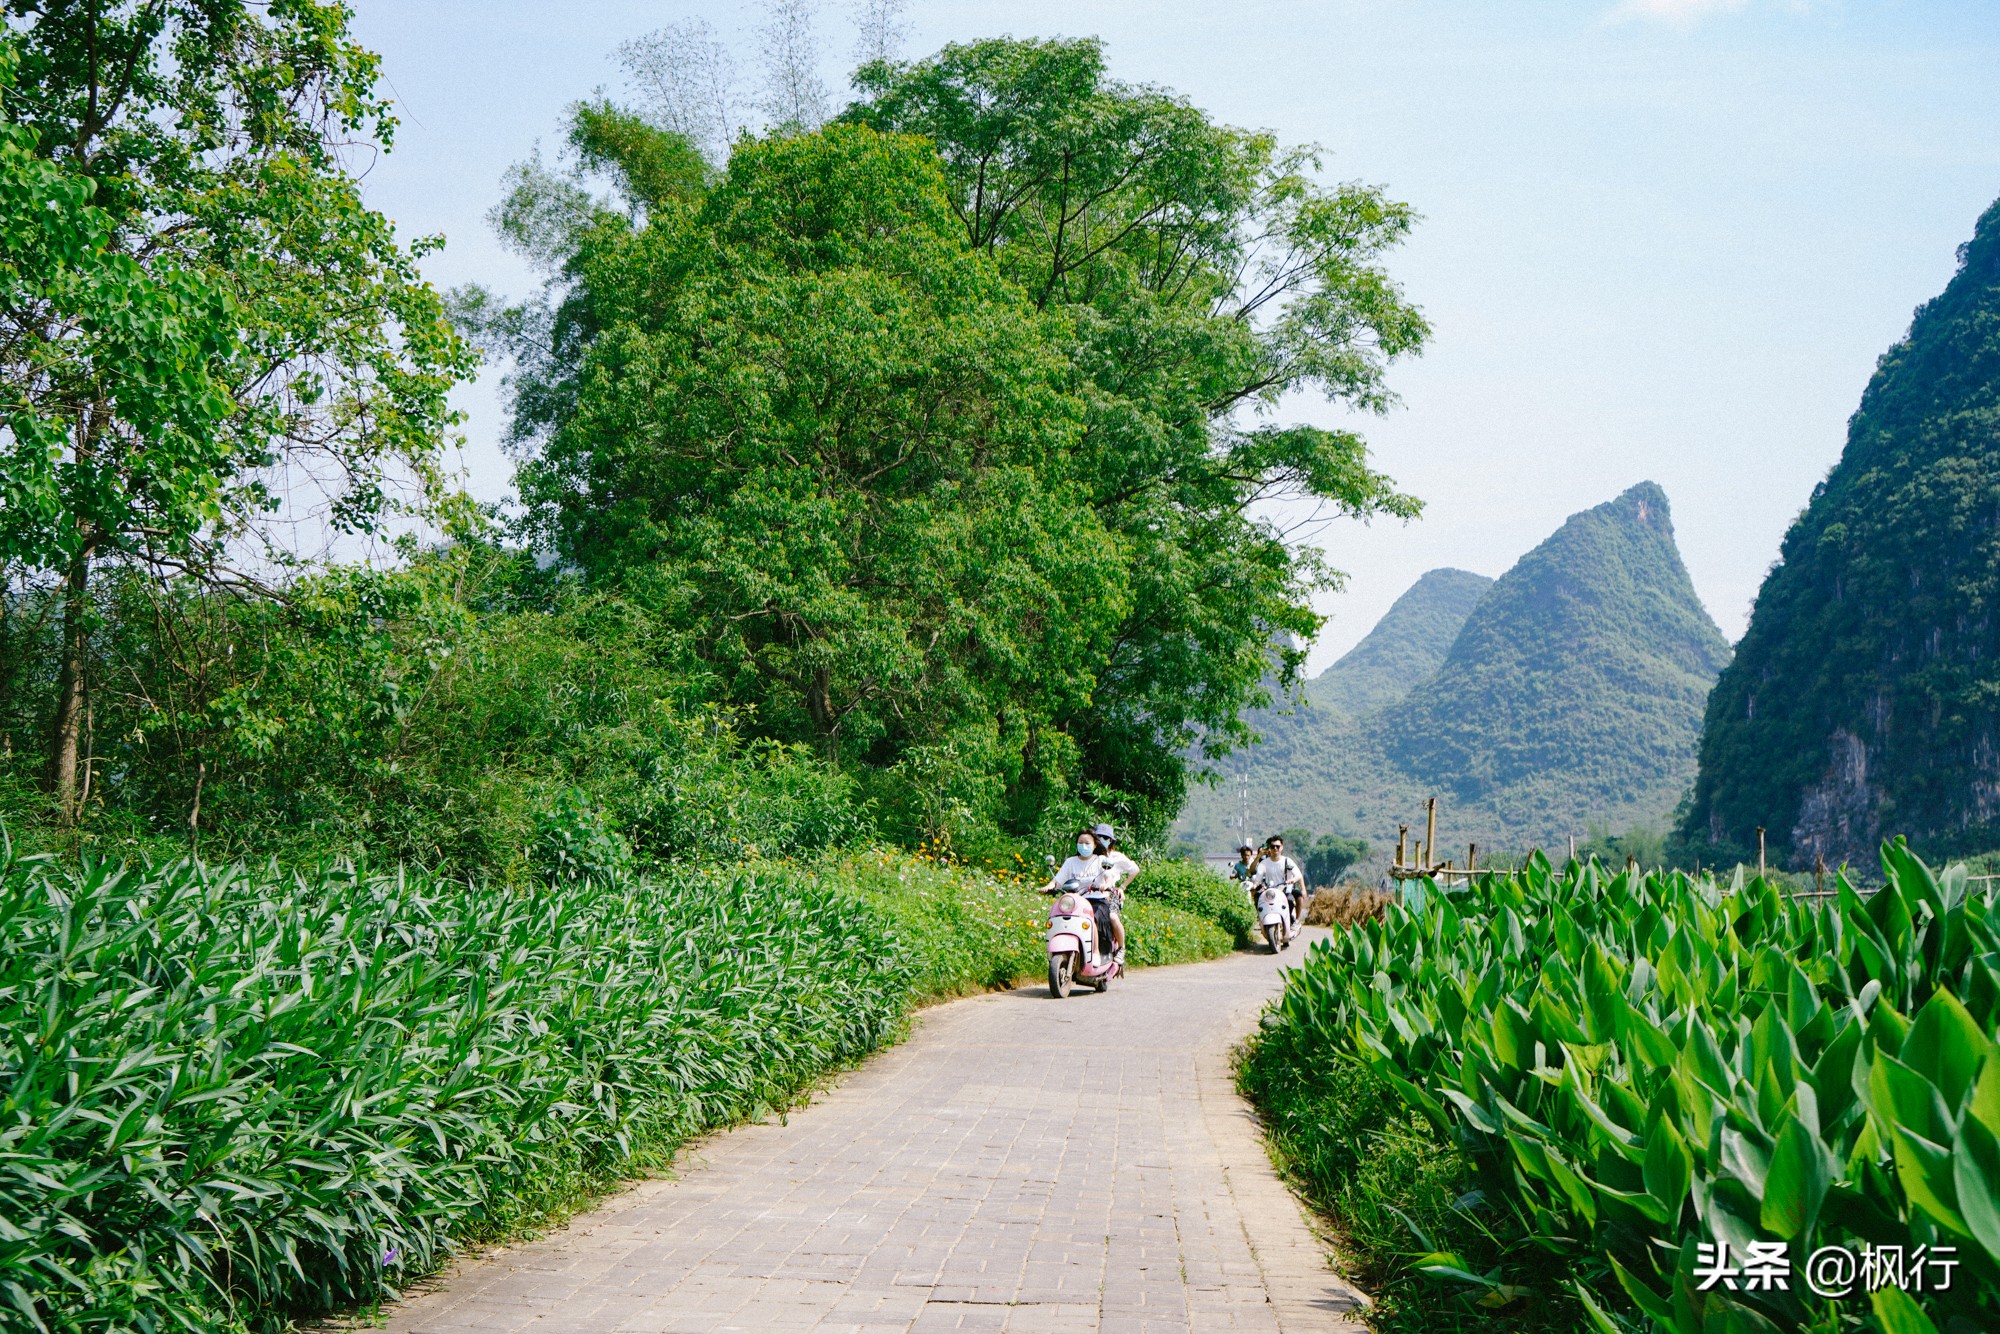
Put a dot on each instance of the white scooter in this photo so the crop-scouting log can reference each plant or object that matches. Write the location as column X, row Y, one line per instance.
column 1075, row 953
column 1274, row 916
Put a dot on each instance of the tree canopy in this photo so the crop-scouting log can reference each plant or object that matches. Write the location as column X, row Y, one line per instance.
column 1204, row 273
column 220, row 328
column 941, row 433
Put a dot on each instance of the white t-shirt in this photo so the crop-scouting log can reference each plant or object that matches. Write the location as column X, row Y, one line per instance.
column 1120, row 867
column 1276, row 873
column 1080, row 873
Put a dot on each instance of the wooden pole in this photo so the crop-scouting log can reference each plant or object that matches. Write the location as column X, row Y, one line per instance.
column 1402, row 834
column 1471, row 859
column 1819, row 873
column 1430, row 828
column 1760, row 852
column 1572, row 847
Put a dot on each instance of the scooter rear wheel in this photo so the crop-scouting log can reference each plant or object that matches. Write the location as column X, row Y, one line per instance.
column 1059, row 976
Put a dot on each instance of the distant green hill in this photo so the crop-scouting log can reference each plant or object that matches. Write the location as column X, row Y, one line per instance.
column 1584, row 670
column 1406, row 647
column 1865, row 696
column 1568, row 694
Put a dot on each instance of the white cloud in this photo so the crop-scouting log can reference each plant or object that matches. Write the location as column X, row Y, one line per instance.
column 1679, row 13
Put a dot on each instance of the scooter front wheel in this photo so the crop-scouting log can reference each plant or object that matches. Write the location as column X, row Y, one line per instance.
column 1059, row 975
column 1102, row 981
column 1272, row 935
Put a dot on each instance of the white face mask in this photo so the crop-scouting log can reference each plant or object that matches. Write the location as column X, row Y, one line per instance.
column 1084, row 849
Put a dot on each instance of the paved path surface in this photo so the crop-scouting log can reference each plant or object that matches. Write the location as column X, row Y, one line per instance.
column 1021, row 1164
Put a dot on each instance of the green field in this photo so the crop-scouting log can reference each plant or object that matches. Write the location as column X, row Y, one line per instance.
column 1528, row 1105
column 237, row 1096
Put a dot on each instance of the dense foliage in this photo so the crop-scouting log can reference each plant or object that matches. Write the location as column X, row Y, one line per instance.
column 440, row 713
column 1570, row 697
column 1632, row 1065
column 944, row 470
column 1863, row 696
column 239, row 1095
column 1196, row 890
column 213, row 328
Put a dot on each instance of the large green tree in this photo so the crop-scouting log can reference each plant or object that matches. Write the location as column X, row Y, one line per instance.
column 946, row 432
column 835, row 445
column 1203, row 274
column 231, row 330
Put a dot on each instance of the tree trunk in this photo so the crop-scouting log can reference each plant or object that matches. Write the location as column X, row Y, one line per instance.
column 819, row 706
column 67, row 734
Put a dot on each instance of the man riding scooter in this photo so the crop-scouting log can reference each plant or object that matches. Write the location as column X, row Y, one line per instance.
column 1276, row 870
column 1245, row 867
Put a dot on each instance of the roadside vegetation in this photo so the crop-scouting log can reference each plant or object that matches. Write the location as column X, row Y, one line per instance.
column 243, row 1095
column 1526, row 1105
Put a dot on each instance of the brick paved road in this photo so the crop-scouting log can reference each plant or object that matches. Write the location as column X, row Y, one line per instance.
column 1020, row 1164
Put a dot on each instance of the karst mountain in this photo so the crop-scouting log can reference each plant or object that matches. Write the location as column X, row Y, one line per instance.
column 1563, row 697
column 1864, row 700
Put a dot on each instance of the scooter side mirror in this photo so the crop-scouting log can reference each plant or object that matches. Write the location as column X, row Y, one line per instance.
column 1051, row 862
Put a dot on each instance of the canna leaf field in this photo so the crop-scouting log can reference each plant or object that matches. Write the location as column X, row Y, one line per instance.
column 1594, row 1075
column 238, row 1097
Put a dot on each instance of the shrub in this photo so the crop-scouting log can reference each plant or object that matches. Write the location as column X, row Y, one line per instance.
column 1198, row 891
column 574, row 842
column 234, row 1092
column 1631, row 1067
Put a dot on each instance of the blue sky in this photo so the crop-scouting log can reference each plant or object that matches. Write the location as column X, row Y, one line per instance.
column 1662, row 239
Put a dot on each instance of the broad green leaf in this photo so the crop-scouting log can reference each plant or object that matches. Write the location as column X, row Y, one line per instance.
column 1975, row 1163
column 1801, row 1170
column 1898, row 1313
column 1723, row 1315
column 1669, row 1166
column 1945, row 1046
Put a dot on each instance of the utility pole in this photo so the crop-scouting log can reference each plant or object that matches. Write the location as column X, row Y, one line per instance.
column 1243, row 793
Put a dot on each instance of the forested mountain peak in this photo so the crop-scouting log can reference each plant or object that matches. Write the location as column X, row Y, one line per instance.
column 1565, row 695
column 1586, row 664
column 1405, row 648
column 1865, row 697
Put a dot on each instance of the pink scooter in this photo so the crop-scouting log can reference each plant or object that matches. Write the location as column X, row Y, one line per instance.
column 1074, row 955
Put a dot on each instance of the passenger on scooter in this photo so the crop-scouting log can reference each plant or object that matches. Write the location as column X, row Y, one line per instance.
column 1118, row 872
column 1281, row 872
column 1085, row 874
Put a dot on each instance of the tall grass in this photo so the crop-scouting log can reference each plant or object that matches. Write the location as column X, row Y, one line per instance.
column 236, row 1096
column 235, row 1092
column 1590, row 1078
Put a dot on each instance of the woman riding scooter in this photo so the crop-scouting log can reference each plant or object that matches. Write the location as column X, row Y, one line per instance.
column 1087, row 873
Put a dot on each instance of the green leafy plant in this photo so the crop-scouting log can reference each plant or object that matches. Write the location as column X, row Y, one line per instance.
column 1634, row 1065
column 1193, row 888
column 573, row 841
